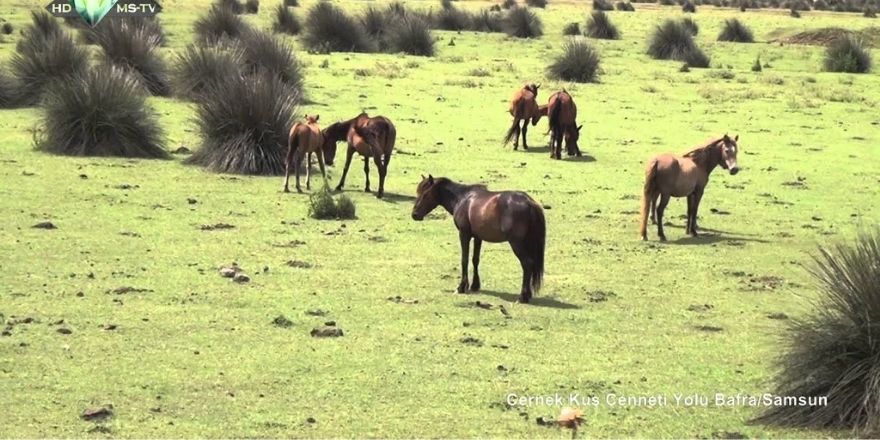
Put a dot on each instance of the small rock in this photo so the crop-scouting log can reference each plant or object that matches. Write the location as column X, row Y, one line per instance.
column 326, row 332
column 311, row 420
column 97, row 414
column 228, row 272
column 241, row 278
column 64, row 331
column 191, row 201
column 45, row 225
column 282, row 321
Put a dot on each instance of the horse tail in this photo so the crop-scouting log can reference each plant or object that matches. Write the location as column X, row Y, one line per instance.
column 535, row 241
column 648, row 196
column 553, row 118
column 517, row 115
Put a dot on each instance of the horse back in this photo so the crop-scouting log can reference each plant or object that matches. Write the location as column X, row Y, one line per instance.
column 677, row 175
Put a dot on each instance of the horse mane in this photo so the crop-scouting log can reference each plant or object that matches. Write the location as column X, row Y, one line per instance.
column 700, row 154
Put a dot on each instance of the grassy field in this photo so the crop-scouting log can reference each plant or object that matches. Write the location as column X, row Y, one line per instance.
column 187, row 353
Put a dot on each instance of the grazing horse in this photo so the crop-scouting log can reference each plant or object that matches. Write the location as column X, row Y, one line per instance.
column 304, row 139
column 687, row 176
column 562, row 116
column 484, row 215
column 370, row 137
column 523, row 106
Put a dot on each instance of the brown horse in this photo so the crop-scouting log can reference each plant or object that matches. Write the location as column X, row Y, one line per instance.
column 370, row 137
column 523, row 106
column 687, row 176
column 484, row 215
column 304, row 140
column 562, row 116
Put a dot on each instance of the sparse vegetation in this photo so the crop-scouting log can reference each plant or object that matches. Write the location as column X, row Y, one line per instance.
column 847, row 54
column 600, row 26
column 571, row 29
column 322, row 206
column 602, row 5
column 688, row 7
column 625, row 7
column 100, row 112
column 579, row 62
column 756, row 67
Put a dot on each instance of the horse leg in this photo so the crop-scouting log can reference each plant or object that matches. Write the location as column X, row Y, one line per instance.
column 309, row 171
column 381, row 167
column 664, row 200
column 698, row 196
column 475, row 285
column 654, row 207
column 558, row 137
column 521, row 251
column 516, row 135
column 465, row 239
column 348, row 155
column 525, row 129
column 321, row 165
column 367, row 173
column 297, row 160
column 690, row 211
column 287, row 169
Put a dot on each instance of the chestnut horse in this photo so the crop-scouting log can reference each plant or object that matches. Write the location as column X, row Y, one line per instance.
column 370, row 137
column 562, row 116
column 304, row 139
column 668, row 176
column 484, row 215
column 523, row 106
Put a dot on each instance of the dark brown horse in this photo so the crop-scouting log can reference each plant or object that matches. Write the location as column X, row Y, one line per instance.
column 562, row 116
column 484, row 215
column 304, row 140
column 370, row 137
column 523, row 106
column 668, row 176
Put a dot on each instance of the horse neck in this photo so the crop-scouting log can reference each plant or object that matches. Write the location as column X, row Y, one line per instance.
column 452, row 194
column 708, row 158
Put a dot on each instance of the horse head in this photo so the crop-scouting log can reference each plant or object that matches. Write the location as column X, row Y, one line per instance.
column 729, row 149
column 427, row 197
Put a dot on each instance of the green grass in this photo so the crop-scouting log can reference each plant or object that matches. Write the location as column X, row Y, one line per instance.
column 204, row 351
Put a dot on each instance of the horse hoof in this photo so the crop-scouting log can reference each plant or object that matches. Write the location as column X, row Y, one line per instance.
column 523, row 300
column 286, row 189
column 644, row 238
column 379, row 195
column 662, row 238
column 299, row 190
column 475, row 288
column 339, row 188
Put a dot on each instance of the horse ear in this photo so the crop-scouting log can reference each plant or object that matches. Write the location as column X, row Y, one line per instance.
column 317, row 117
column 430, row 179
column 580, row 127
column 423, row 177
column 726, row 137
column 537, row 86
column 736, row 138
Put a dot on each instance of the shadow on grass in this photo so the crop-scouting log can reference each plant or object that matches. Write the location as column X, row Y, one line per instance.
column 715, row 238
column 397, row 198
column 537, row 301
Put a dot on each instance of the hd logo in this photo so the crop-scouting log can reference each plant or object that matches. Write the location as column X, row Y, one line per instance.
column 93, row 11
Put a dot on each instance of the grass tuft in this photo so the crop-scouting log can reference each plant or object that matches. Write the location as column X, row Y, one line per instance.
column 197, row 68
column 285, row 21
column 134, row 49
column 219, row 23
column 329, row 29
column 523, row 23
column 673, row 41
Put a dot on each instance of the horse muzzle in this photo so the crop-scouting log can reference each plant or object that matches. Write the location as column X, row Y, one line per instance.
column 418, row 217
column 734, row 170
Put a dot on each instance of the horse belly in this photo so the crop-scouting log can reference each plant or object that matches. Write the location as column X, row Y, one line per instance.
column 485, row 222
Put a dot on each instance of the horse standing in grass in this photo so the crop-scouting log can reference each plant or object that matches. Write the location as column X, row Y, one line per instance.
column 523, row 106
column 668, row 176
column 370, row 137
column 562, row 116
column 304, row 140
column 484, row 215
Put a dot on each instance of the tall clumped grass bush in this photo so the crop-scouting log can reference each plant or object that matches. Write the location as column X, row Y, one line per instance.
column 735, row 31
column 244, row 122
column 45, row 54
column 599, row 26
column 197, row 68
column 833, row 350
column 579, row 62
column 848, row 55
column 218, row 24
column 328, row 28
column 672, row 40
column 134, row 49
column 285, row 21
column 523, row 23
column 100, row 112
